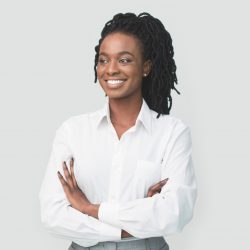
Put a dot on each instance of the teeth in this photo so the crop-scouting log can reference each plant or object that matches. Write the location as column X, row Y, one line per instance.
column 115, row 81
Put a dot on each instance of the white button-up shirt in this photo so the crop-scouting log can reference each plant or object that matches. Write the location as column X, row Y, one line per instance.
column 117, row 175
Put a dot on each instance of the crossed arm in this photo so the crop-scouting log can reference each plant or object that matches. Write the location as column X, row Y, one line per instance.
column 165, row 210
column 80, row 202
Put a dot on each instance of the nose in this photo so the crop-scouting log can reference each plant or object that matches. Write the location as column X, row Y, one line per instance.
column 112, row 68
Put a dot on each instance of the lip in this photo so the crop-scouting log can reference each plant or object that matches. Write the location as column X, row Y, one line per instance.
column 115, row 79
column 115, row 86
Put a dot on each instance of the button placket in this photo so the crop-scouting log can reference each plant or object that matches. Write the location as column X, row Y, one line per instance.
column 116, row 172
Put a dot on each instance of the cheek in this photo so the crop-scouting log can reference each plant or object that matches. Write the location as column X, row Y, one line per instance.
column 136, row 72
column 100, row 71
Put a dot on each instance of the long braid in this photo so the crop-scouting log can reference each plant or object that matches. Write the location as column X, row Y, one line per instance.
column 157, row 47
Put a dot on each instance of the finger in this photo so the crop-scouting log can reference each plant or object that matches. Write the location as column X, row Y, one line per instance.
column 158, row 190
column 151, row 193
column 165, row 181
column 67, row 174
column 72, row 172
column 158, row 185
column 63, row 182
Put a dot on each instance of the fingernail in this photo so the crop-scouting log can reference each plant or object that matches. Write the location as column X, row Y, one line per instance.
column 165, row 180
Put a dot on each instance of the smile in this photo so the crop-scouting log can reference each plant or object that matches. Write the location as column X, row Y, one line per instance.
column 115, row 82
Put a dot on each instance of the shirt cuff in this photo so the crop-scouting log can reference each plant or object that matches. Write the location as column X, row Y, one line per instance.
column 108, row 213
column 109, row 233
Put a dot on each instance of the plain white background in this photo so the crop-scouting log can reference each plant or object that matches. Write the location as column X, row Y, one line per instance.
column 46, row 76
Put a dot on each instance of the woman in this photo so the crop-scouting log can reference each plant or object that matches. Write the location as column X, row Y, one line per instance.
column 122, row 177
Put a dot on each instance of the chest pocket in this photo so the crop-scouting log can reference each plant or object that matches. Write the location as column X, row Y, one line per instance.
column 147, row 173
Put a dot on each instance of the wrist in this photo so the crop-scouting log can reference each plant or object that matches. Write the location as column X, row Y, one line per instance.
column 92, row 210
column 125, row 234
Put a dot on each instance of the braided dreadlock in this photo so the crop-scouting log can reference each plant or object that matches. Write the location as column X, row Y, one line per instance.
column 157, row 47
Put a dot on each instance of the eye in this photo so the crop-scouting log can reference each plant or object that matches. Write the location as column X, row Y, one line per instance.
column 124, row 60
column 102, row 60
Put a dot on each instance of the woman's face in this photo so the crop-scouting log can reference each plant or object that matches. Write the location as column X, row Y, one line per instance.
column 120, row 66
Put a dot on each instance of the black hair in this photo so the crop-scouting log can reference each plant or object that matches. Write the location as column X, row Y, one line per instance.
column 157, row 47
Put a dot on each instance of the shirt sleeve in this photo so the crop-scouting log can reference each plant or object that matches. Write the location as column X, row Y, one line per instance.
column 170, row 210
column 56, row 213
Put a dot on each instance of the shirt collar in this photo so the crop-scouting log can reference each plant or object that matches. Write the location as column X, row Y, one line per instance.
column 144, row 115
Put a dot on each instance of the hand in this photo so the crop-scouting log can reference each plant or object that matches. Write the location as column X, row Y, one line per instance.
column 125, row 234
column 75, row 196
column 156, row 188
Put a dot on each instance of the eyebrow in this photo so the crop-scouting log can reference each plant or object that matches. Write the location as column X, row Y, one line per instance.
column 120, row 53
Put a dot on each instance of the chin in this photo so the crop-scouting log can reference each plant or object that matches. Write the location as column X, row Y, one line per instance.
column 116, row 95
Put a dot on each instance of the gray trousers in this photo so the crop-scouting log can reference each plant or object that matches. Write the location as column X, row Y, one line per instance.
column 155, row 243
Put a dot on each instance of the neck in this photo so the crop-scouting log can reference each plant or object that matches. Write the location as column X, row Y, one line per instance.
column 124, row 112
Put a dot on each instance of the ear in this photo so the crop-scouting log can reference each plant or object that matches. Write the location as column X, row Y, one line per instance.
column 147, row 68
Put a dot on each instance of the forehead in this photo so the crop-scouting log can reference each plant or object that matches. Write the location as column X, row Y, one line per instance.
column 116, row 42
